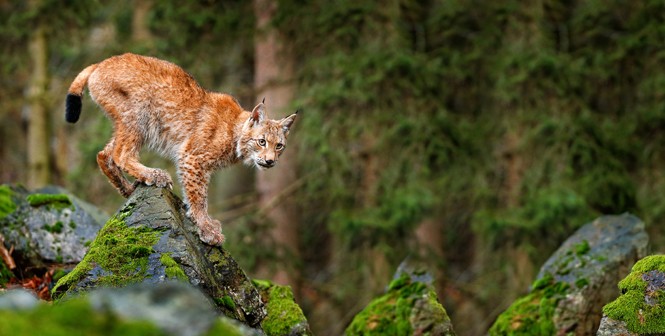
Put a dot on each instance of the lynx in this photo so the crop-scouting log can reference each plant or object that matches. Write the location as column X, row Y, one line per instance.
column 156, row 103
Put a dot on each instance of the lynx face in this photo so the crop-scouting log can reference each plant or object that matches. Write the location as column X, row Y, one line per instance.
column 263, row 141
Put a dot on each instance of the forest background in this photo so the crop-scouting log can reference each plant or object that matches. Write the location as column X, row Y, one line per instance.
column 473, row 136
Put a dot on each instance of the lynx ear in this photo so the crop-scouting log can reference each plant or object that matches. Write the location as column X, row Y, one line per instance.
column 287, row 122
column 258, row 114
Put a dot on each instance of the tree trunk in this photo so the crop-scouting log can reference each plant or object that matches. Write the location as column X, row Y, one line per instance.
column 39, row 172
column 273, row 75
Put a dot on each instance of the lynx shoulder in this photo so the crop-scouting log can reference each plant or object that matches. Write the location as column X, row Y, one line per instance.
column 157, row 104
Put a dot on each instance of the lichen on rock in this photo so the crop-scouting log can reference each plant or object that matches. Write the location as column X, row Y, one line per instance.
column 641, row 306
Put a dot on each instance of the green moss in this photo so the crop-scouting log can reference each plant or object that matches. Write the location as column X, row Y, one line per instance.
column 56, row 201
column 532, row 314
column 119, row 250
column 73, row 317
column 283, row 312
column 390, row 314
column 581, row 282
column 55, row 228
column 262, row 284
column 173, row 269
column 7, row 205
column 582, row 248
column 222, row 327
column 226, row 301
column 72, row 225
column 631, row 307
column 5, row 273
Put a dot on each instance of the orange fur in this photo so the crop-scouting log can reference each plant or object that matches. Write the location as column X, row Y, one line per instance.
column 155, row 103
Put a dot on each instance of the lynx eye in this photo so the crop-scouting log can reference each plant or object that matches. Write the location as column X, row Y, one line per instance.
column 279, row 146
column 262, row 142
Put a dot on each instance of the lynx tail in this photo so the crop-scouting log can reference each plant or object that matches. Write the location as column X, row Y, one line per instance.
column 73, row 101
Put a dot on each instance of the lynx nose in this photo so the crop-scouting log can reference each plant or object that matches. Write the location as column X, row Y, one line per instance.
column 270, row 162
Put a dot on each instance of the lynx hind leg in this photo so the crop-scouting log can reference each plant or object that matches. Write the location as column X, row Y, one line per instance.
column 195, row 188
column 112, row 171
column 126, row 156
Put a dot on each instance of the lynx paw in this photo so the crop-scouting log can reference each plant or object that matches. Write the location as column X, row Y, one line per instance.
column 210, row 232
column 159, row 178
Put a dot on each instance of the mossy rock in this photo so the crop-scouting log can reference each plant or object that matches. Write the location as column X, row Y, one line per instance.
column 162, row 309
column 284, row 315
column 577, row 280
column 150, row 240
column 641, row 307
column 407, row 308
column 48, row 225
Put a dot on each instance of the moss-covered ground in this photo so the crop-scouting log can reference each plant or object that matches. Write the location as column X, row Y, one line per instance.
column 532, row 314
column 391, row 313
column 122, row 252
column 283, row 312
column 642, row 316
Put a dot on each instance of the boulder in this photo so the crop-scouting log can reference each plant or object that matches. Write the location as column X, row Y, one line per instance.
column 169, row 308
column 48, row 225
column 577, row 280
column 150, row 240
column 640, row 310
column 409, row 307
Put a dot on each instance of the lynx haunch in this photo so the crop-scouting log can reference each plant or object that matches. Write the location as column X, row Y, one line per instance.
column 156, row 103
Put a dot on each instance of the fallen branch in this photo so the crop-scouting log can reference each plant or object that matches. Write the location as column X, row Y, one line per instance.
column 6, row 254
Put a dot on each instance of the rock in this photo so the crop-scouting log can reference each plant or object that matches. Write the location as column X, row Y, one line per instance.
column 409, row 307
column 640, row 310
column 150, row 240
column 17, row 299
column 48, row 225
column 612, row 327
column 169, row 308
column 577, row 280
column 284, row 315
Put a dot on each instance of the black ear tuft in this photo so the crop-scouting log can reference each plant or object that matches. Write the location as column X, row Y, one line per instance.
column 72, row 108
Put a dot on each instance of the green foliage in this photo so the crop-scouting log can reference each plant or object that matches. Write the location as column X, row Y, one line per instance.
column 72, row 317
column 641, row 307
column 7, row 205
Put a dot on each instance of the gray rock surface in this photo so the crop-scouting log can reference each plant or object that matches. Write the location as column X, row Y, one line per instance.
column 49, row 232
column 18, row 299
column 610, row 327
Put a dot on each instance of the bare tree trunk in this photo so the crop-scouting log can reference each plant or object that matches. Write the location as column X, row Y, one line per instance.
column 273, row 75
column 39, row 170
column 140, row 31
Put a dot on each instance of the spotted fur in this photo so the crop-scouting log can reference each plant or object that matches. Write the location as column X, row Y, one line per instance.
column 155, row 103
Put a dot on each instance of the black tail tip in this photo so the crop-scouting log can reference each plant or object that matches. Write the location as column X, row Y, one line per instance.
column 72, row 108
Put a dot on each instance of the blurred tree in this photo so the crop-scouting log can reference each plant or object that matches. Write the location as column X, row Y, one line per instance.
column 274, row 81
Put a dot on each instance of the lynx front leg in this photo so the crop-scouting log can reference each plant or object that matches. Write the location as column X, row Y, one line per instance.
column 126, row 155
column 195, row 184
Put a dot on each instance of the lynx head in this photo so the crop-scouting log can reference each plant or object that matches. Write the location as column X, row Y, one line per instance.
column 262, row 140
